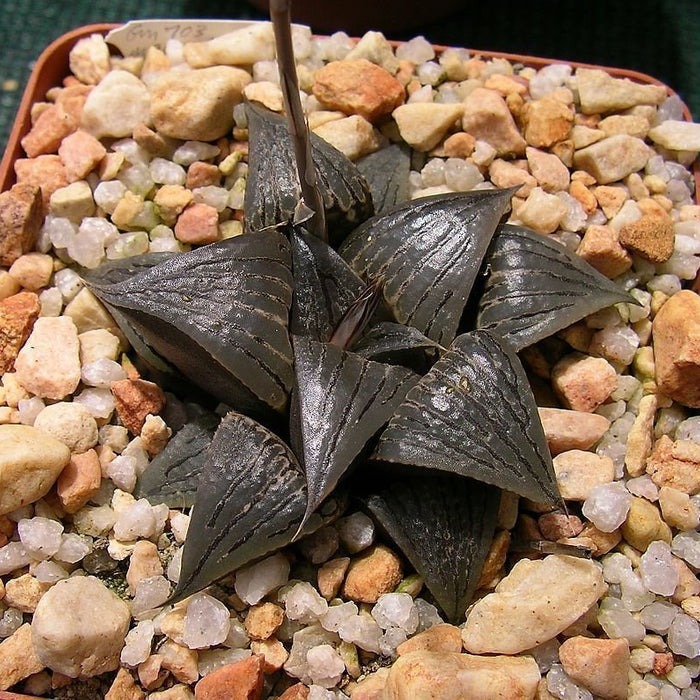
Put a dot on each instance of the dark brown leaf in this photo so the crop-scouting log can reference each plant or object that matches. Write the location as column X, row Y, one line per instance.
column 444, row 525
column 428, row 252
column 535, row 287
column 473, row 413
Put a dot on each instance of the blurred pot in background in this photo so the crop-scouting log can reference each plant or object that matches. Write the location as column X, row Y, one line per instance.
column 357, row 16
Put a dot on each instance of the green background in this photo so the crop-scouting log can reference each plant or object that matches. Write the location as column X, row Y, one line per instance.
column 659, row 38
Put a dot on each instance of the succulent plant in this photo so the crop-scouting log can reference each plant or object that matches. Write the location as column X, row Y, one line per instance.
column 382, row 366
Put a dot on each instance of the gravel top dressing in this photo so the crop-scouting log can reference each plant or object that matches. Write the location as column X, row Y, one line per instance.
column 459, row 458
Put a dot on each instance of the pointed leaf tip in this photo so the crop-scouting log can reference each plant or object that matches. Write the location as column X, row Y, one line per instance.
column 220, row 315
column 444, row 525
column 341, row 401
column 428, row 251
column 536, row 287
column 474, row 414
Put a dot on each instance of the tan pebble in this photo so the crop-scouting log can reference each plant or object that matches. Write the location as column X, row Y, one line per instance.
column 17, row 316
column 21, row 218
column 8, row 285
column 505, row 174
column 201, row 174
column 374, row 572
column 505, row 84
column 583, row 383
column 688, row 582
column 600, row 665
column 371, row 687
column 613, row 158
column 450, row 676
column 551, row 174
column 150, row 140
column 676, row 135
column 51, row 127
column 79, row 481
column 676, row 334
column 641, row 436
column 690, row 212
column 602, row 542
column 556, row 526
column 89, row 59
column 111, row 165
column 240, row 47
column 18, row 657
column 678, row 510
column 180, row 661
column 663, row 663
column 651, row 237
column 691, row 606
column 30, row 462
column 353, row 136
column 128, row 208
column 459, row 145
column 198, row 224
column 98, row 344
column 80, row 154
column 155, row 435
column 69, row 422
column 601, row 93
column 74, row 202
column 263, row 620
column 24, row 592
column 546, row 121
column 537, row 600
column 578, row 472
column 124, row 687
column 69, row 637
column 564, row 150
column 46, row 172
column 198, row 104
column 541, row 212
column 171, row 201
column 424, row 124
column 154, row 61
column 610, row 198
column 175, row 692
column 273, row 652
column 298, row 691
column 600, row 247
column 644, row 525
column 143, row 563
column 32, row 270
column 151, row 674
column 266, row 93
column 331, row 575
column 487, row 118
column 322, row 117
column 635, row 184
column 114, row 107
column 173, row 625
column 583, row 136
column 442, row 638
column 88, row 313
column 135, row 399
column 358, row 86
column 242, row 680
column 630, row 124
column 495, row 559
column 571, row 430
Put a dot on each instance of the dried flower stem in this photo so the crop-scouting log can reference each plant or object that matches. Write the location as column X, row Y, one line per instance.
column 280, row 14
